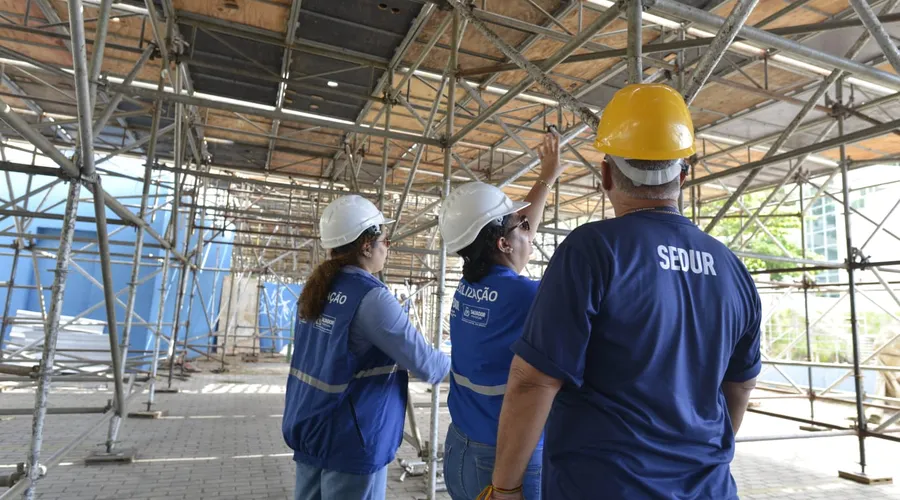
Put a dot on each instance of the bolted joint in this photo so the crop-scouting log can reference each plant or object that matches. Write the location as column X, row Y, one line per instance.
column 808, row 283
column 90, row 180
column 445, row 141
column 858, row 260
column 445, row 6
column 838, row 110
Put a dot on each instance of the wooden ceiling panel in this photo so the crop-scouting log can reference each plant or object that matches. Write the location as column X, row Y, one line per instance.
column 239, row 126
column 268, row 14
column 43, row 51
column 777, row 78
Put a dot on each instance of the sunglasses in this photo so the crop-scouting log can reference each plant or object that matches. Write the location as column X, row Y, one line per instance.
column 523, row 223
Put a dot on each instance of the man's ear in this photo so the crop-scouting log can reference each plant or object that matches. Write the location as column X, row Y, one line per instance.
column 503, row 245
column 606, row 171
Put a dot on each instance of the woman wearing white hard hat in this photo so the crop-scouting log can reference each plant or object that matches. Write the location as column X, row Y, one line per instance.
column 346, row 392
column 493, row 235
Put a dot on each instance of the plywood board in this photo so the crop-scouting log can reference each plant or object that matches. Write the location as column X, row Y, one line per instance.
column 765, row 8
column 545, row 48
column 268, row 14
column 43, row 51
column 886, row 145
column 887, row 67
column 473, row 41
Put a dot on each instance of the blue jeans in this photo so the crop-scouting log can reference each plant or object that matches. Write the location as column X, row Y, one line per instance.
column 314, row 483
column 468, row 466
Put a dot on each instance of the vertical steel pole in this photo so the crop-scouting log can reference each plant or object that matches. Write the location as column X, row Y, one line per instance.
column 157, row 339
column 179, row 155
column 634, row 13
column 110, row 299
column 85, row 90
column 385, row 153
column 809, row 358
column 63, row 258
column 198, row 253
column 442, row 257
column 142, row 213
column 277, row 315
column 854, row 327
column 386, row 147
column 99, row 45
column 228, row 317
column 82, row 88
column 9, row 291
column 182, row 281
column 260, row 293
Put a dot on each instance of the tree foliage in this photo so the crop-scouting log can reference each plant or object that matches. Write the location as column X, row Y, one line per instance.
column 786, row 230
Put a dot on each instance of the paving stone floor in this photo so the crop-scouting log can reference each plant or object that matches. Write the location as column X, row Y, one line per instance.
column 221, row 440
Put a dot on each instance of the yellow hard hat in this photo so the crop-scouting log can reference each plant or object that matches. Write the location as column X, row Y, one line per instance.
column 646, row 122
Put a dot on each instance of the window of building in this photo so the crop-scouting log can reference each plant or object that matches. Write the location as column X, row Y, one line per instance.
column 821, row 236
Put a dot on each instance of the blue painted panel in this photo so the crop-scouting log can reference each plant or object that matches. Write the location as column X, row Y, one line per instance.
column 81, row 294
column 277, row 312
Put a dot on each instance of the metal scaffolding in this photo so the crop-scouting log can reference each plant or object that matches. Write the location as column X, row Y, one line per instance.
column 465, row 92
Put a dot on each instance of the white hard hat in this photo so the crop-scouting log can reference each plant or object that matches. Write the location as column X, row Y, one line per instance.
column 347, row 217
column 469, row 208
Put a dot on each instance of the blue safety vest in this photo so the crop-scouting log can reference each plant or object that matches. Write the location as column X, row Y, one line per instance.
column 485, row 319
column 343, row 412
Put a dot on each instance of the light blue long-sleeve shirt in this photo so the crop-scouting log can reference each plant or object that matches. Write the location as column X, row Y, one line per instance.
column 381, row 321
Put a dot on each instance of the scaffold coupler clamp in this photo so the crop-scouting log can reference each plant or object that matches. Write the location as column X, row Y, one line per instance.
column 390, row 98
column 858, row 260
column 645, row 4
column 807, row 282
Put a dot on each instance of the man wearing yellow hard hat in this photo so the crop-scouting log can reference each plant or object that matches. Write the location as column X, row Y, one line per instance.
column 642, row 345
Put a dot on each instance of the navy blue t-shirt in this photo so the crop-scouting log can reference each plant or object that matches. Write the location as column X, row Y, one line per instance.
column 642, row 317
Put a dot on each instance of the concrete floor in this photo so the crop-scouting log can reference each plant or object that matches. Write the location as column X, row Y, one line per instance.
column 221, row 439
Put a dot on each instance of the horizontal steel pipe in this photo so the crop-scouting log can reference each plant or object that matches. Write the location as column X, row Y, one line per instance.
column 808, row 54
column 857, row 136
column 56, row 411
column 268, row 113
column 656, row 48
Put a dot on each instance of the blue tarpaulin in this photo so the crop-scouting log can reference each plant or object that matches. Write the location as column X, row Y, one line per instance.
column 277, row 312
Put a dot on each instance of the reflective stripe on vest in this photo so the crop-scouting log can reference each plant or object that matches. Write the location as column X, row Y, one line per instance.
column 485, row 390
column 339, row 388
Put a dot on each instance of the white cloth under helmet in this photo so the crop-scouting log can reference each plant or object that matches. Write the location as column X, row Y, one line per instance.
column 468, row 209
column 647, row 177
column 347, row 217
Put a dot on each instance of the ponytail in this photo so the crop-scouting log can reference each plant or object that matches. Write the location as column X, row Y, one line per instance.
column 318, row 285
column 479, row 256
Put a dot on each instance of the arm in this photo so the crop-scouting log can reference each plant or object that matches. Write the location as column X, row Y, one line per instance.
column 744, row 366
column 551, row 351
column 382, row 321
column 737, row 396
column 551, row 169
column 526, row 404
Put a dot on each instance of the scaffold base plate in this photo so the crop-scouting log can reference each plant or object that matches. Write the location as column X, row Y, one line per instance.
column 123, row 456
column 154, row 414
column 870, row 479
column 167, row 390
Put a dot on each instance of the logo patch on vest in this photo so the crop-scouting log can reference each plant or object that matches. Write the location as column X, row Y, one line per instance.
column 477, row 316
column 325, row 324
